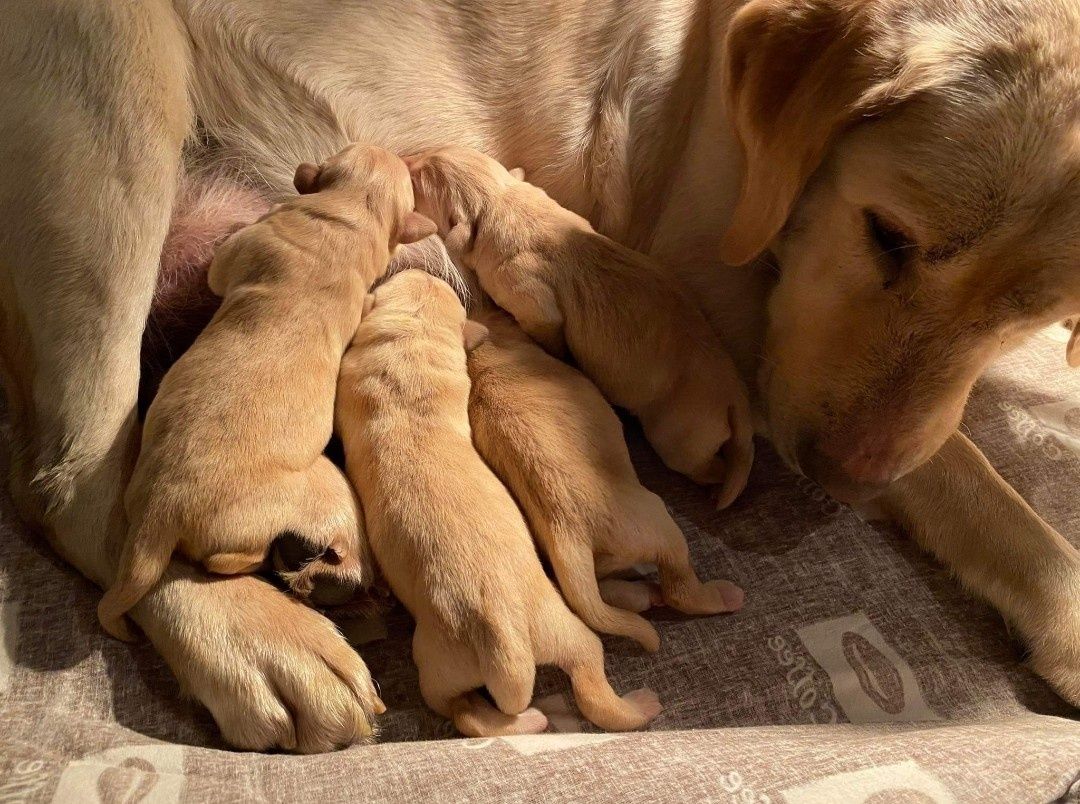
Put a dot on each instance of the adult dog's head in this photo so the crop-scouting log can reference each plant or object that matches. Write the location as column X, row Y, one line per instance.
column 914, row 166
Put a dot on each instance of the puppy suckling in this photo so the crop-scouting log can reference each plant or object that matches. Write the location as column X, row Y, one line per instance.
column 231, row 456
column 448, row 537
column 558, row 446
column 623, row 317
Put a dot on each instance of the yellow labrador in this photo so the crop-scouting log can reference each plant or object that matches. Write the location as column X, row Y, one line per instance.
column 231, row 454
column 682, row 128
column 558, row 446
column 624, row 318
column 448, row 537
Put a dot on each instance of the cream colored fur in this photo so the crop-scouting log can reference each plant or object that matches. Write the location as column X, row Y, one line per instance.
column 622, row 111
column 550, row 436
column 231, row 455
column 624, row 318
column 448, row 537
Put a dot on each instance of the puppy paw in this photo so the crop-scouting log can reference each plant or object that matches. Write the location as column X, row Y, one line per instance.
column 725, row 595
column 635, row 596
column 646, row 702
column 531, row 721
column 712, row 597
column 273, row 672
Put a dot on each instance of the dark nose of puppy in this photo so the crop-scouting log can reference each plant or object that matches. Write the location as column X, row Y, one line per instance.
column 834, row 477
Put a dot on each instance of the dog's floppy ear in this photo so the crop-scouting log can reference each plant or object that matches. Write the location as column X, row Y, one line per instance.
column 474, row 334
column 414, row 227
column 306, row 178
column 518, row 173
column 1072, row 351
column 794, row 72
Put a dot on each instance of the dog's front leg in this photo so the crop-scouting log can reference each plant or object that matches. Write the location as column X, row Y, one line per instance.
column 93, row 114
column 961, row 510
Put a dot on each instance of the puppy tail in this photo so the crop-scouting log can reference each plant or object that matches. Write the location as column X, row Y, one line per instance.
column 508, row 669
column 142, row 563
column 575, row 570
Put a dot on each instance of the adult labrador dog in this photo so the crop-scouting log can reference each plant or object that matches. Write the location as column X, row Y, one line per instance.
column 910, row 169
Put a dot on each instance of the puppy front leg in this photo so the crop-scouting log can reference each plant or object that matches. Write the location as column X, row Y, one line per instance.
column 516, row 286
column 962, row 511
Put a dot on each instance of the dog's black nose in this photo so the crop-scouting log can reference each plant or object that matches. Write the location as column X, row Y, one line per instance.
column 291, row 552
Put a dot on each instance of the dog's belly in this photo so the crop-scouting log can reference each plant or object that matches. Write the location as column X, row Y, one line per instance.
column 207, row 210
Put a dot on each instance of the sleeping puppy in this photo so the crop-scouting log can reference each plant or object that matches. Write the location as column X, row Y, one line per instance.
column 558, row 446
column 632, row 330
column 231, row 456
column 448, row 537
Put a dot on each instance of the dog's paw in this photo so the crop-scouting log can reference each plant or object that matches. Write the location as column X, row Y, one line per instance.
column 273, row 672
column 1054, row 651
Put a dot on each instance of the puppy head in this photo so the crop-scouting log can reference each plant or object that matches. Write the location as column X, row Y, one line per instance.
column 455, row 185
column 378, row 178
column 416, row 297
column 917, row 178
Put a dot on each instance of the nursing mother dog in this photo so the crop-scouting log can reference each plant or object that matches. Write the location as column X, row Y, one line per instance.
column 912, row 167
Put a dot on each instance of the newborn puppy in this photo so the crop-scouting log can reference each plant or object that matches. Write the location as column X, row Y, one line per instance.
column 449, row 539
column 558, row 446
column 623, row 317
column 231, row 454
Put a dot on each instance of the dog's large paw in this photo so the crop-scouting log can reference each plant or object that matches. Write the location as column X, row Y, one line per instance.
column 1055, row 649
column 274, row 673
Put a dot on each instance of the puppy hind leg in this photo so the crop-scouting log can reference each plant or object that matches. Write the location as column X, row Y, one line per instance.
column 233, row 563
column 508, row 668
column 331, row 518
column 576, row 573
column 144, row 559
column 580, row 655
column 636, row 596
column 448, row 681
column 679, row 584
column 475, row 717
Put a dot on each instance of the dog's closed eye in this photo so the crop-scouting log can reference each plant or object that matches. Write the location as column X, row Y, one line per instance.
column 895, row 249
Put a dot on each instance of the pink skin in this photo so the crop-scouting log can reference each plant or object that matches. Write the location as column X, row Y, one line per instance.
column 207, row 211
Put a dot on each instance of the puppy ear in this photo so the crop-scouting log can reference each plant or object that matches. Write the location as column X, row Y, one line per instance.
column 474, row 334
column 369, row 302
column 415, row 227
column 1072, row 351
column 459, row 239
column 306, row 178
column 518, row 173
column 794, row 72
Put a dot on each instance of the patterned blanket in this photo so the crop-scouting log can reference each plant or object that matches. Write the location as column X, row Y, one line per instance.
column 858, row 671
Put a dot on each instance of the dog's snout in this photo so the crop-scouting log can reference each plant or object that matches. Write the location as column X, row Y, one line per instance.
column 852, row 476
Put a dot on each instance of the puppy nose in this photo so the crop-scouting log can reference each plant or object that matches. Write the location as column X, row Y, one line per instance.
column 850, row 479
